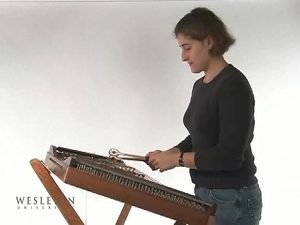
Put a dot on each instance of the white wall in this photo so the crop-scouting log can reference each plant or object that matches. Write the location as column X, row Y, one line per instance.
column 96, row 75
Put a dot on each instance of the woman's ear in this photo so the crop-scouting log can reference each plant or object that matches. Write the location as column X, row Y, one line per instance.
column 210, row 42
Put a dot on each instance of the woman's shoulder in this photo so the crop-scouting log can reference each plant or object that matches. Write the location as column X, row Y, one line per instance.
column 235, row 82
column 232, row 75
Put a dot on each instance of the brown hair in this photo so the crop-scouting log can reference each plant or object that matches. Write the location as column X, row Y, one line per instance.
column 200, row 23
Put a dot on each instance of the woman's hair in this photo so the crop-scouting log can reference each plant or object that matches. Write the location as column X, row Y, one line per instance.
column 200, row 23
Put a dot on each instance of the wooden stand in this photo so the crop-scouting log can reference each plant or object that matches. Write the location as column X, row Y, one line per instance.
column 56, row 194
column 62, row 202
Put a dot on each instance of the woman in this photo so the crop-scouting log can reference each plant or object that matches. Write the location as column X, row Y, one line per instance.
column 220, row 122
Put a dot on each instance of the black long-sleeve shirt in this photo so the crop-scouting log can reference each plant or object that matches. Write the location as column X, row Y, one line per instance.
column 220, row 121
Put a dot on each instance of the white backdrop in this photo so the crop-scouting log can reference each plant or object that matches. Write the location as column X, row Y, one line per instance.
column 96, row 75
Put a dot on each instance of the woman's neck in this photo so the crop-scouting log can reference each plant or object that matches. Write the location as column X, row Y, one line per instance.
column 214, row 68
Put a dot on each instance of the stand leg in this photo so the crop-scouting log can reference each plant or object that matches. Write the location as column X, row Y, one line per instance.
column 57, row 195
column 211, row 220
column 123, row 215
column 179, row 223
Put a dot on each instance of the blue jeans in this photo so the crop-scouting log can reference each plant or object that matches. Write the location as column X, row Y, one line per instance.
column 234, row 206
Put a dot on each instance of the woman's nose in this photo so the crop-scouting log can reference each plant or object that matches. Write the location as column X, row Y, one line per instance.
column 184, row 56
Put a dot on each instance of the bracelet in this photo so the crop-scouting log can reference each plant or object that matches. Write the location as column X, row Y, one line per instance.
column 181, row 160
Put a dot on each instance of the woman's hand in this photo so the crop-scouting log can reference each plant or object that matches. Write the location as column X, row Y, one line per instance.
column 163, row 160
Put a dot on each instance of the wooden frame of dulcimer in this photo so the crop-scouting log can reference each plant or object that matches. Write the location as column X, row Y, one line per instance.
column 116, row 180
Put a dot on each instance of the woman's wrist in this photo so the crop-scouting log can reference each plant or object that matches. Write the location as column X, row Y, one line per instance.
column 174, row 149
column 181, row 159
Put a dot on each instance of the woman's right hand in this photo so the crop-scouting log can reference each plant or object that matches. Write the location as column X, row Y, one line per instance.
column 163, row 160
column 151, row 157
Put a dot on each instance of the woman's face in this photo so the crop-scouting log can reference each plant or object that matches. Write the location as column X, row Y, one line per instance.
column 195, row 53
